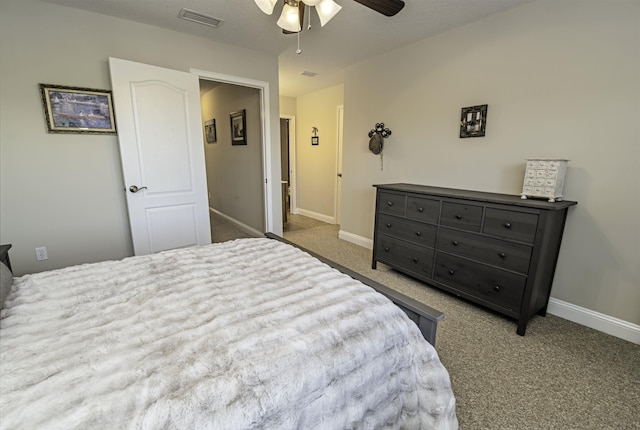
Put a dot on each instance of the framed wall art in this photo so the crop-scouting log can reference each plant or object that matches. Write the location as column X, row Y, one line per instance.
column 238, row 127
column 473, row 121
column 210, row 132
column 77, row 110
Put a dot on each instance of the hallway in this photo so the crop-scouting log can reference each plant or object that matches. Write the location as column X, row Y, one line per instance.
column 223, row 230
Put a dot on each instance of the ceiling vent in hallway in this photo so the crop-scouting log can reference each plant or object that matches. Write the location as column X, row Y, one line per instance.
column 309, row 74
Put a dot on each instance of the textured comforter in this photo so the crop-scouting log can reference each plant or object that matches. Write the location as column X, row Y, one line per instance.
column 246, row 334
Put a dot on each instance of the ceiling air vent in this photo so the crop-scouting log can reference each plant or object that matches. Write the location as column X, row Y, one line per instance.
column 309, row 74
column 200, row 18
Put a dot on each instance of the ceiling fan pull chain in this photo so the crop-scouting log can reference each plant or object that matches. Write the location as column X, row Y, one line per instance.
column 298, row 51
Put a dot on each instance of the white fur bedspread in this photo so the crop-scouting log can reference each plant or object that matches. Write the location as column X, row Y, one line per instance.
column 246, row 334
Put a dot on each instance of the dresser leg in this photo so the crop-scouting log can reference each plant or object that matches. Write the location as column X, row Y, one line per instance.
column 522, row 327
column 374, row 265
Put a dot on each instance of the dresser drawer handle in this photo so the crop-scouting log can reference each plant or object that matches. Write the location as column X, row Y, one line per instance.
column 507, row 224
column 386, row 249
column 418, row 233
column 502, row 255
column 496, row 287
column 455, row 242
column 420, row 209
column 458, row 216
column 451, row 272
column 388, row 225
column 415, row 259
column 389, row 203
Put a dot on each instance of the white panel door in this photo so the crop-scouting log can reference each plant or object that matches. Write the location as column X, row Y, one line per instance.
column 162, row 151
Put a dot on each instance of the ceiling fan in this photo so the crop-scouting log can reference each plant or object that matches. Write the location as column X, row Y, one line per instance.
column 292, row 17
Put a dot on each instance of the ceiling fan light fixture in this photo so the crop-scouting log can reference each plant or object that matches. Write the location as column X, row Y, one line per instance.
column 266, row 5
column 311, row 2
column 327, row 9
column 290, row 18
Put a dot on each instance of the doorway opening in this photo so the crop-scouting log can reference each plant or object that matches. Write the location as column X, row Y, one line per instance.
column 239, row 177
column 288, row 163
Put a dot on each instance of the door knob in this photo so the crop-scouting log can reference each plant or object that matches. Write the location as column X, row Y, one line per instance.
column 135, row 189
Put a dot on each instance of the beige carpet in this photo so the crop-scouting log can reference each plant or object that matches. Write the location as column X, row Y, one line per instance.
column 561, row 375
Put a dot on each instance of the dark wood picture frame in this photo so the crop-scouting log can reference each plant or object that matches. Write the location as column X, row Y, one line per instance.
column 238, row 127
column 77, row 110
column 473, row 121
column 210, row 132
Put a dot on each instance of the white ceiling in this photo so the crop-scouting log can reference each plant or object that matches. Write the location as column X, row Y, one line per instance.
column 354, row 34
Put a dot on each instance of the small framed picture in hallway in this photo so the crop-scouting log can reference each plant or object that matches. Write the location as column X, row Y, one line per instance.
column 210, row 131
column 238, row 127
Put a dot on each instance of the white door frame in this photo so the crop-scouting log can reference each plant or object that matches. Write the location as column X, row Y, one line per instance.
column 338, row 179
column 263, row 86
column 292, row 163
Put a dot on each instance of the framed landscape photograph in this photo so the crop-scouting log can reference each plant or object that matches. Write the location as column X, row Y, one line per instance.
column 210, row 132
column 77, row 110
column 238, row 127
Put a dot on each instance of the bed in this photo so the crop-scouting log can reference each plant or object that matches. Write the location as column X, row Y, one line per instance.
column 246, row 334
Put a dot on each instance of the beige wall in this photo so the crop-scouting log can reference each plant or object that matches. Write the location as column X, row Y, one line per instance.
column 234, row 172
column 65, row 191
column 287, row 106
column 316, row 165
column 562, row 79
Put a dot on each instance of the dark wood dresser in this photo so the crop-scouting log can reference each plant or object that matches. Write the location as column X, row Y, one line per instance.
column 496, row 250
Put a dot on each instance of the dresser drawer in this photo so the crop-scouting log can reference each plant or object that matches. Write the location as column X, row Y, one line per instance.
column 391, row 203
column 467, row 217
column 413, row 231
column 507, row 255
column 510, row 224
column 405, row 256
column 422, row 209
column 488, row 284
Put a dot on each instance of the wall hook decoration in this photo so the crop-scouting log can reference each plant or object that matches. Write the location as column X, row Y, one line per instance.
column 315, row 139
column 377, row 136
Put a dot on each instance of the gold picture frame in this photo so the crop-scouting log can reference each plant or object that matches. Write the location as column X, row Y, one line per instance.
column 77, row 110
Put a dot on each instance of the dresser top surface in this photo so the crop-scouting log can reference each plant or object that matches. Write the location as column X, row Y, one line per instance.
column 508, row 199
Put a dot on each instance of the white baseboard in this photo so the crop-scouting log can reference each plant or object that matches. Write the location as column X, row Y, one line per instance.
column 595, row 320
column 320, row 217
column 583, row 316
column 354, row 238
column 244, row 227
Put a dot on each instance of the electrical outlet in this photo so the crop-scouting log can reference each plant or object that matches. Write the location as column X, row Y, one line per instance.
column 41, row 253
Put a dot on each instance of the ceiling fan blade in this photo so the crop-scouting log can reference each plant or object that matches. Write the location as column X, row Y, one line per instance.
column 301, row 15
column 385, row 7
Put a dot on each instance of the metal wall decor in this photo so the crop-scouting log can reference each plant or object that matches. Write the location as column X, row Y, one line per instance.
column 315, row 139
column 377, row 136
column 473, row 121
